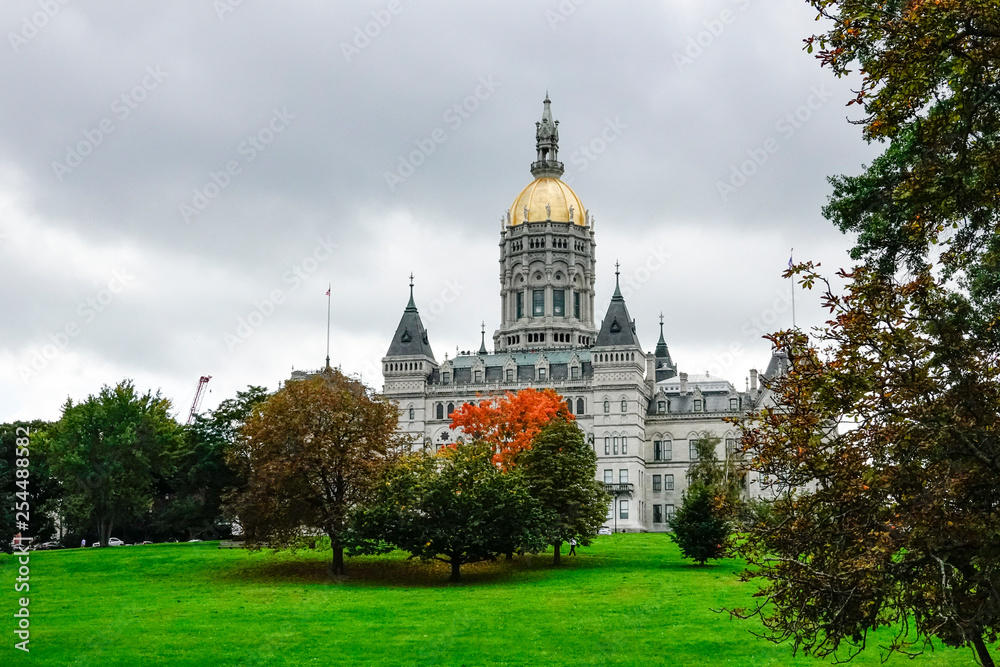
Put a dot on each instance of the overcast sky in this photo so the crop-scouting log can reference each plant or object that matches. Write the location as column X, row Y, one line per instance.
column 167, row 170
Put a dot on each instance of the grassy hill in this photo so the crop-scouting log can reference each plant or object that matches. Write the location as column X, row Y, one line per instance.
column 627, row 600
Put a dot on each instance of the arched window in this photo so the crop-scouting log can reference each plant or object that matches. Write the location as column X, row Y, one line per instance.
column 413, row 414
column 607, row 406
column 569, row 405
column 440, row 411
column 451, row 408
column 624, row 405
column 580, row 406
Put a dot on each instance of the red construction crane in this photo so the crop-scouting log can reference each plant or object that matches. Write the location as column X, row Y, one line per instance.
column 198, row 396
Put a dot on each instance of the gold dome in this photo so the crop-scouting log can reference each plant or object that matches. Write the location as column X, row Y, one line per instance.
column 552, row 191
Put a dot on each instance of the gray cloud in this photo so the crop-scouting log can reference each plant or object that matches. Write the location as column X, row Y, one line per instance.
column 165, row 100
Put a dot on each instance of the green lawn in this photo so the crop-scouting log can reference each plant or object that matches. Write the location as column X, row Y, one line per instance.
column 626, row 600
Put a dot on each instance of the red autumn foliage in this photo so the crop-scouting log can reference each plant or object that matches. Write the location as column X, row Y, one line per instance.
column 510, row 422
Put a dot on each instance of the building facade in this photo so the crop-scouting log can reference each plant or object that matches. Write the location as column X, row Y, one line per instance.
column 639, row 413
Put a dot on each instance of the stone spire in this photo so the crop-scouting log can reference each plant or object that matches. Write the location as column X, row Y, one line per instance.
column 665, row 368
column 547, row 163
column 482, row 343
column 411, row 306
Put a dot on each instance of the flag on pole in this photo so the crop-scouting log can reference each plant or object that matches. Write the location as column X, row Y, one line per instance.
column 328, row 291
column 789, row 262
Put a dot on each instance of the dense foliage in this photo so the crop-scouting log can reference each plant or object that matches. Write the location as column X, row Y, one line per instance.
column 510, row 422
column 456, row 507
column 38, row 490
column 106, row 453
column 931, row 89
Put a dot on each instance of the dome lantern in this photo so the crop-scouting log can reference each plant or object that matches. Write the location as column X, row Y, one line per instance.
column 547, row 145
column 547, row 198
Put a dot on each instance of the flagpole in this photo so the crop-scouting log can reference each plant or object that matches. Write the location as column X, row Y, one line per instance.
column 328, row 290
column 790, row 262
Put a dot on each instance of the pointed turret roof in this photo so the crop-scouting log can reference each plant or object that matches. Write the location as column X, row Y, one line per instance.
column 482, row 341
column 777, row 366
column 617, row 329
column 665, row 368
column 410, row 338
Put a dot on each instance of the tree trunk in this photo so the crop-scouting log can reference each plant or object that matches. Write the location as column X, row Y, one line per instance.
column 983, row 652
column 557, row 559
column 337, row 566
column 456, row 575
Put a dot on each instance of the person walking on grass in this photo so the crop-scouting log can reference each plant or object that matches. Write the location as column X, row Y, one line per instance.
column 572, row 547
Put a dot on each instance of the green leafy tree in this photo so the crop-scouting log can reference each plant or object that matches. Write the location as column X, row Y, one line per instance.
column 309, row 453
column 930, row 73
column 38, row 490
column 456, row 507
column 195, row 476
column 105, row 452
column 893, row 411
column 892, row 407
column 702, row 525
column 560, row 470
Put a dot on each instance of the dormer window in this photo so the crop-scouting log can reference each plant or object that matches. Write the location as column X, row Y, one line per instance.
column 661, row 406
column 445, row 378
column 734, row 404
column 574, row 372
column 541, row 375
column 479, row 376
column 697, row 405
column 510, row 375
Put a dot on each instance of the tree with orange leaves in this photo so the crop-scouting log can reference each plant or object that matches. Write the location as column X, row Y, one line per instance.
column 510, row 422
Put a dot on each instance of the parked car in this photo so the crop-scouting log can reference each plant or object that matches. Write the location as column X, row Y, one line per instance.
column 50, row 545
column 115, row 542
column 603, row 530
column 146, row 542
column 96, row 544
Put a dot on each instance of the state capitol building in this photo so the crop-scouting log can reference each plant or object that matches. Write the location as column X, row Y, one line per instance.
column 641, row 415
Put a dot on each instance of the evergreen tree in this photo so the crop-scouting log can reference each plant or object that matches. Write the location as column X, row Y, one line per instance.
column 698, row 527
column 702, row 525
